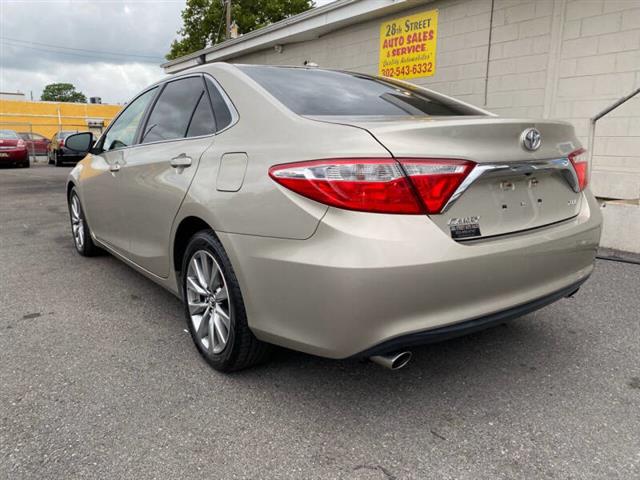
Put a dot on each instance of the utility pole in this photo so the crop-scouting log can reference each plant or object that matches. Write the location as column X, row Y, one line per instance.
column 228, row 13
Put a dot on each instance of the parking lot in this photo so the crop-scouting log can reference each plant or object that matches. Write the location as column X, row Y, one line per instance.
column 100, row 380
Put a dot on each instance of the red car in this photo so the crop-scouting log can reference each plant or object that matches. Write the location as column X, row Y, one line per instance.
column 13, row 149
column 36, row 143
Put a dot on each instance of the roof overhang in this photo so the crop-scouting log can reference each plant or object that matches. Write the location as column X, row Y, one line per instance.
column 306, row 26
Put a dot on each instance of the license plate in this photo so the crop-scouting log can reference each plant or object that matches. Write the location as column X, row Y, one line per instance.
column 2, row 154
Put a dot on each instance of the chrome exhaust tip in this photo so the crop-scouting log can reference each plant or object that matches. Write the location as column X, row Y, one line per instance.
column 393, row 361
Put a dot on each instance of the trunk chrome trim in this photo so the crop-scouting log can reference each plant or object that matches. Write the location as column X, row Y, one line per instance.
column 503, row 169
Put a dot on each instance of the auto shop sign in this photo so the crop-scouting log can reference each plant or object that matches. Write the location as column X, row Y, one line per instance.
column 408, row 46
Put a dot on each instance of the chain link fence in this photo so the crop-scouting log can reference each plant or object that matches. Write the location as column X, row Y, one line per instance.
column 39, row 135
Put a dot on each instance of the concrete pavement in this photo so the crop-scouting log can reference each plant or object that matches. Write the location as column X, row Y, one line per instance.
column 98, row 379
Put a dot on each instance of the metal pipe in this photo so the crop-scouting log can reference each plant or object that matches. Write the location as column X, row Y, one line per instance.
column 393, row 361
column 615, row 105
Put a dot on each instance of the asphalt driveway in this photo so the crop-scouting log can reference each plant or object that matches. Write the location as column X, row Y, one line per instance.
column 98, row 379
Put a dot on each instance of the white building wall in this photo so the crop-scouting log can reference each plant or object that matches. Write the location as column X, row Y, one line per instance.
column 563, row 59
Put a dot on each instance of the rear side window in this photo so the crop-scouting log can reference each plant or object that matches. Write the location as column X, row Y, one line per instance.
column 220, row 108
column 324, row 92
column 172, row 114
column 202, row 122
column 8, row 135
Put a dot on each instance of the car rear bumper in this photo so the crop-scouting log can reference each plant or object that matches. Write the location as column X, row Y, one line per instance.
column 13, row 156
column 67, row 155
column 466, row 327
column 363, row 280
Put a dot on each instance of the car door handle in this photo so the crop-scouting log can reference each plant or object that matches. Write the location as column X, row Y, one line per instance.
column 114, row 167
column 181, row 161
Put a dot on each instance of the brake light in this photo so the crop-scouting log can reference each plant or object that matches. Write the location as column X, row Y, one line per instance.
column 580, row 164
column 21, row 143
column 410, row 186
column 436, row 179
column 366, row 185
column 61, row 142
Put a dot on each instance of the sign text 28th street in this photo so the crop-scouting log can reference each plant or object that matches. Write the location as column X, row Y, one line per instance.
column 408, row 46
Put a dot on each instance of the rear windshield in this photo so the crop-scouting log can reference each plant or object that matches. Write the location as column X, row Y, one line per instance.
column 8, row 135
column 324, row 92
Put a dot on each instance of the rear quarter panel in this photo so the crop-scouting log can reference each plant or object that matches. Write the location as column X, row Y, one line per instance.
column 268, row 134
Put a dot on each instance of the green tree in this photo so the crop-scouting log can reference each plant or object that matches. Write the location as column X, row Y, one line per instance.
column 62, row 92
column 204, row 20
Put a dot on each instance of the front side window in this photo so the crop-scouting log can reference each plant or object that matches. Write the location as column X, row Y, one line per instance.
column 123, row 131
column 326, row 92
column 173, row 112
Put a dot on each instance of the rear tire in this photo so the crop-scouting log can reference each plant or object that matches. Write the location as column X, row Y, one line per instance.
column 214, row 307
column 49, row 158
column 80, row 228
column 57, row 160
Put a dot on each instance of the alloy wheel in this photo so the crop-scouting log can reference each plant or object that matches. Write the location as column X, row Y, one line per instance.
column 77, row 222
column 208, row 302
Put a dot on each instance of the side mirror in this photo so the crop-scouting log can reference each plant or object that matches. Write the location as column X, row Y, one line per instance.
column 79, row 142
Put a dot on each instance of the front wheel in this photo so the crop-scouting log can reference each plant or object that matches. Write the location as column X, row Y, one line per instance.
column 80, row 229
column 214, row 307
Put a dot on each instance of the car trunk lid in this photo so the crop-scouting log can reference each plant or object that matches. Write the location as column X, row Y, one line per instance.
column 511, row 189
column 8, row 143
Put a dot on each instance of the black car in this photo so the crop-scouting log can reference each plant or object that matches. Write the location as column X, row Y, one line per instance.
column 58, row 154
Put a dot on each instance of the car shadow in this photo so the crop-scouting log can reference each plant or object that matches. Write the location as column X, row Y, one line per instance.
column 483, row 364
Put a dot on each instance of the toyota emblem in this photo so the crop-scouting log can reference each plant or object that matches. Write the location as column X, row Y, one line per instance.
column 531, row 139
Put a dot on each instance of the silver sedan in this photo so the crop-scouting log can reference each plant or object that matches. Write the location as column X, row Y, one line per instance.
column 334, row 213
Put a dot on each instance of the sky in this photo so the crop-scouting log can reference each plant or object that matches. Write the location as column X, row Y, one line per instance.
column 112, row 48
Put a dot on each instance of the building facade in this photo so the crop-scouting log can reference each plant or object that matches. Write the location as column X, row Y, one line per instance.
column 47, row 118
column 564, row 59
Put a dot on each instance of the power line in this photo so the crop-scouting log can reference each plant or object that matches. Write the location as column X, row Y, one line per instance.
column 60, row 52
column 17, row 42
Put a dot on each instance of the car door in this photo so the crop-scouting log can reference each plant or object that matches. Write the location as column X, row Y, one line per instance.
column 156, row 174
column 40, row 144
column 102, row 188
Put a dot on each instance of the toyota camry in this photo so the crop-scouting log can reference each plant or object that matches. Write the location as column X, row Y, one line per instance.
column 334, row 213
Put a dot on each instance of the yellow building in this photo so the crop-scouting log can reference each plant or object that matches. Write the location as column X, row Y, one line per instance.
column 47, row 118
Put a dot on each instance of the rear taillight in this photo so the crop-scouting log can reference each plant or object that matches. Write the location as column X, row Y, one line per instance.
column 580, row 164
column 61, row 143
column 21, row 143
column 354, row 184
column 407, row 186
column 436, row 179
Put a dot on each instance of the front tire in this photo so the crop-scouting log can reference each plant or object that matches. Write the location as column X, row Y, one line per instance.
column 80, row 228
column 214, row 308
